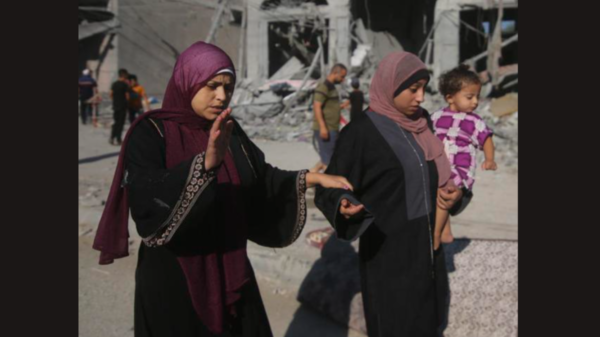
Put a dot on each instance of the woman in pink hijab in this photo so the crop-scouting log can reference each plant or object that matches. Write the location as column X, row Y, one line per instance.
column 198, row 189
column 396, row 166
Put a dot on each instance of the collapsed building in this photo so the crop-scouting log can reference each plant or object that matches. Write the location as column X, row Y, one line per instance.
column 481, row 33
column 290, row 45
column 443, row 33
column 282, row 48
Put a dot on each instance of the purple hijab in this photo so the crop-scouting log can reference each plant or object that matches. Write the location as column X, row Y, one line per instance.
column 214, row 279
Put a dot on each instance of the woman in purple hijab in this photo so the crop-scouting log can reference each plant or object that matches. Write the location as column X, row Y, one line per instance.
column 198, row 189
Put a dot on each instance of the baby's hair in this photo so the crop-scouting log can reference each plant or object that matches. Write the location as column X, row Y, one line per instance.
column 453, row 80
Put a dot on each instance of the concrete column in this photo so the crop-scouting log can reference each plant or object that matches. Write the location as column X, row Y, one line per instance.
column 446, row 42
column 257, row 42
column 339, row 37
column 110, row 66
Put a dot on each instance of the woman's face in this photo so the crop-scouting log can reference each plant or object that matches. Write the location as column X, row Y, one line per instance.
column 409, row 100
column 214, row 97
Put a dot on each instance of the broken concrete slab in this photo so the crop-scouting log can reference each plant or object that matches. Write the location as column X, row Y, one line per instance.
column 288, row 70
column 293, row 84
column 505, row 105
column 361, row 32
column 383, row 44
column 359, row 55
column 268, row 104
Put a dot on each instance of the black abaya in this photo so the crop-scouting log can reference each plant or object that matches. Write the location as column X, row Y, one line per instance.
column 403, row 280
column 275, row 208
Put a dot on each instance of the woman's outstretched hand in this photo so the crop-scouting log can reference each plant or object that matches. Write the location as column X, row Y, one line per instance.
column 327, row 181
column 348, row 209
column 218, row 140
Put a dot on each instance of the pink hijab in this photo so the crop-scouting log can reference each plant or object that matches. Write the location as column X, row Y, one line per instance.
column 392, row 72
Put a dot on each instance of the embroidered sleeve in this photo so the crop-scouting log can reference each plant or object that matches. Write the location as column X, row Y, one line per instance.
column 301, row 213
column 197, row 181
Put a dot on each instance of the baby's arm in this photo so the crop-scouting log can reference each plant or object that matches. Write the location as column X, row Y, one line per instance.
column 488, row 151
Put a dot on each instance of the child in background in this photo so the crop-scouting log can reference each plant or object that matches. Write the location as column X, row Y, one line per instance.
column 137, row 99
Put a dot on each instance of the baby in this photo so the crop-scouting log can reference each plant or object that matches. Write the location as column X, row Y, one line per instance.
column 463, row 132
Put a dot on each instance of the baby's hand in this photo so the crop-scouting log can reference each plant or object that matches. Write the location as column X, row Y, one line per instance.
column 489, row 165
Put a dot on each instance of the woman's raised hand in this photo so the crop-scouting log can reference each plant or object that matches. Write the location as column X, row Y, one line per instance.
column 218, row 140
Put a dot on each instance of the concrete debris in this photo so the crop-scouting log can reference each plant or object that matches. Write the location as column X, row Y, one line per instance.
column 361, row 32
column 502, row 73
column 266, row 105
column 505, row 105
column 288, row 70
column 278, row 106
column 505, row 128
column 383, row 44
column 359, row 55
column 292, row 85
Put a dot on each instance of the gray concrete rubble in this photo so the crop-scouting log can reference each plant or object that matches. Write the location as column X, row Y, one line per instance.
column 284, row 48
column 279, row 107
column 506, row 129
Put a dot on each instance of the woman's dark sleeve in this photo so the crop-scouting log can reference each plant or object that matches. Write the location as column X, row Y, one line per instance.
column 462, row 203
column 276, row 205
column 165, row 203
column 346, row 162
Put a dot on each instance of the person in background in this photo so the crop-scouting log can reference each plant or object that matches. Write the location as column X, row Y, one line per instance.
column 88, row 88
column 356, row 100
column 327, row 111
column 137, row 98
column 119, row 93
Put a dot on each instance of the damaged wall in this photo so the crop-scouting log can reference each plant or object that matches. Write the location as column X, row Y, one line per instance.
column 262, row 22
column 408, row 21
column 447, row 25
column 154, row 32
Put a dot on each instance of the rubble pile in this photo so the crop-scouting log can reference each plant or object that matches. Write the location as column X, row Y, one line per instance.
column 505, row 124
column 260, row 108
